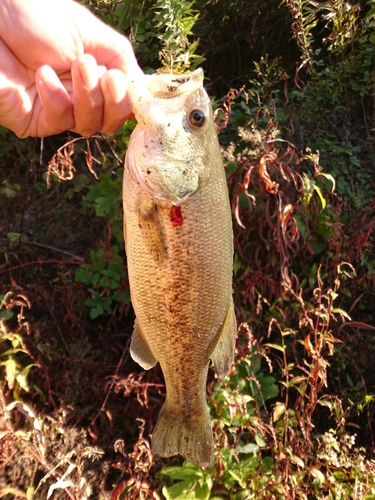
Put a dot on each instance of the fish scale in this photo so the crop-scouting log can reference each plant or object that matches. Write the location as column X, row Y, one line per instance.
column 180, row 274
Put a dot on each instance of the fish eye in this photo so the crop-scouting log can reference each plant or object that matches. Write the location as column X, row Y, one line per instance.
column 197, row 118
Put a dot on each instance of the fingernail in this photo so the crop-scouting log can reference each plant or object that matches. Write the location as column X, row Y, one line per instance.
column 88, row 71
column 117, row 87
column 49, row 79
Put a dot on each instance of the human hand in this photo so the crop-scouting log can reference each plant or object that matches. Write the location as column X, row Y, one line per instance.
column 61, row 69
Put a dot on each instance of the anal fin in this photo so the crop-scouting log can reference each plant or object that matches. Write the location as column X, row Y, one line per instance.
column 223, row 354
column 140, row 350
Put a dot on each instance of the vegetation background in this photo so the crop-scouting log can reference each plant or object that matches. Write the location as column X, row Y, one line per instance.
column 293, row 86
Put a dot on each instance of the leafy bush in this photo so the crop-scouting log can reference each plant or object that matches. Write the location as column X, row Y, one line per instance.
column 163, row 35
column 105, row 276
column 336, row 40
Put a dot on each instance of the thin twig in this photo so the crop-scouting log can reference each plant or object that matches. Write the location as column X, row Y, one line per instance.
column 54, row 249
column 111, row 385
column 40, row 262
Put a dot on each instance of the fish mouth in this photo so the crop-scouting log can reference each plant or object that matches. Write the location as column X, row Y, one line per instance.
column 161, row 86
column 167, row 86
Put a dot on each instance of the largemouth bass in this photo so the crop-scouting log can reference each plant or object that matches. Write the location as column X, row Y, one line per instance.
column 179, row 246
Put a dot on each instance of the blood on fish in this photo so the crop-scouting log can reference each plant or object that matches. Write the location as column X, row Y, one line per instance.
column 176, row 216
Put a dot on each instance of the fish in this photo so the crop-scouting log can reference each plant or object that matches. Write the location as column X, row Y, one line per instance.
column 179, row 248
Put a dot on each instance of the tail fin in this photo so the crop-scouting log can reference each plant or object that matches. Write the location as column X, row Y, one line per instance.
column 190, row 437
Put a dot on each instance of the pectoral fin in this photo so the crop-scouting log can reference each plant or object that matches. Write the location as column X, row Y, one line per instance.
column 151, row 228
column 139, row 349
column 223, row 354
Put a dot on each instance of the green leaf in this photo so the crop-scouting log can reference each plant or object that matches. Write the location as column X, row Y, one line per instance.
column 237, row 478
column 11, row 371
column 95, row 278
column 181, row 473
column 30, row 493
column 12, row 351
column 330, row 178
column 260, row 440
column 276, row 346
column 22, row 377
column 308, row 189
column 248, row 448
column 241, row 495
column 202, row 491
column 339, row 475
column 296, row 460
column 180, row 491
column 9, row 190
column 322, row 199
column 317, row 245
column 269, row 387
column 278, row 411
column 106, row 205
column 105, row 282
column 337, row 310
column 317, row 474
